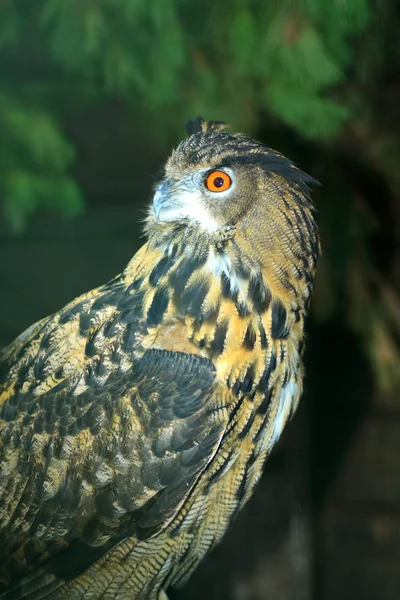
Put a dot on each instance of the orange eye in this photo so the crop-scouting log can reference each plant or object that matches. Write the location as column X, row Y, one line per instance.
column 218, row 181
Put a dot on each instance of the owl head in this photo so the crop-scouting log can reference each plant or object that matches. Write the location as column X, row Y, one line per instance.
column 217, row 181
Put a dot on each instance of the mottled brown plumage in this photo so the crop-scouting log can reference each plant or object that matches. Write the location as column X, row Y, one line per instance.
column 135, row 422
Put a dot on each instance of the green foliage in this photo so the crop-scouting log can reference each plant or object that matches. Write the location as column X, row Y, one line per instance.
column 282, row 57
column 34, row 159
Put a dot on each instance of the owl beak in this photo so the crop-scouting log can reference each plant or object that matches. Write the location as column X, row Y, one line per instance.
column 162, row 198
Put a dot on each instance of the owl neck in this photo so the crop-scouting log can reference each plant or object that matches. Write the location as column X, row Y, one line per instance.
column 193, row 262
column 226, row 307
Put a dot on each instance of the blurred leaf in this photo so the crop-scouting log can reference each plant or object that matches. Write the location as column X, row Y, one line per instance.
column 34, row 158
column 297, row 107
column 39, row 136
column 24, row 192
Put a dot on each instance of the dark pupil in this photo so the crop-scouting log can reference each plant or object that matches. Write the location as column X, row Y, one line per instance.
column 218, row 182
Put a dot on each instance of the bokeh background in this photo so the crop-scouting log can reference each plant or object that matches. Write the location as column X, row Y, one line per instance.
column 93, row 95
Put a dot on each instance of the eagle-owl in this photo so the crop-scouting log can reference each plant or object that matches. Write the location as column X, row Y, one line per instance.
column 135, row 422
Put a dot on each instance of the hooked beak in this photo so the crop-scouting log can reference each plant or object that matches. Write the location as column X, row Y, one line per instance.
column 162, row 199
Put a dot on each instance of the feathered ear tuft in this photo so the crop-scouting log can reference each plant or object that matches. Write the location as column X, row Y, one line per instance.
column 199, row 125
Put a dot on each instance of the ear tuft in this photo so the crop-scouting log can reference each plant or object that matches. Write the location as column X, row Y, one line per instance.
column 199, row 125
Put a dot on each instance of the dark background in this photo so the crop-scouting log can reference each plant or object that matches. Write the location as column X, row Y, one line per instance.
column 93, row 95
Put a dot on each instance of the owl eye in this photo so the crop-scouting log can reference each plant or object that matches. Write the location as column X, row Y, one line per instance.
column 218, row 181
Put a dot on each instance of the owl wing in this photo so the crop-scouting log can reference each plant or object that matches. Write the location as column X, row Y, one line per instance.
column 100, row 455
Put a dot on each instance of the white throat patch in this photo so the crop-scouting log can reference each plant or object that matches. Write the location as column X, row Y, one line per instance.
column 220, row 263
column 191, row 208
